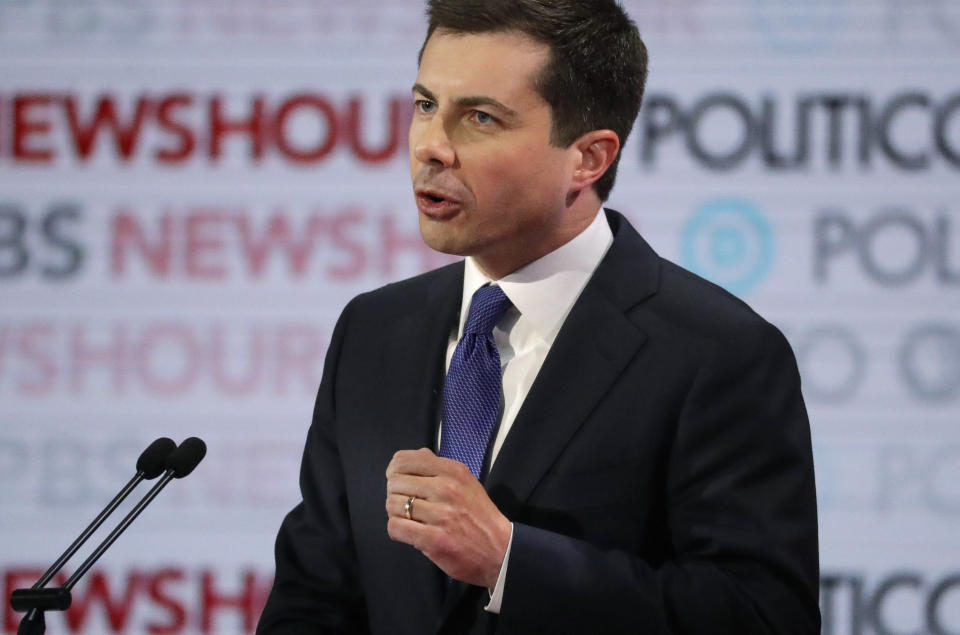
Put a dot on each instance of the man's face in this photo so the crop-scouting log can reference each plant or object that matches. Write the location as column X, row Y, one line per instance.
column 488, row 184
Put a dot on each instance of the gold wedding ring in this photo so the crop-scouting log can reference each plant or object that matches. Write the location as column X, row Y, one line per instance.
column 408, row 508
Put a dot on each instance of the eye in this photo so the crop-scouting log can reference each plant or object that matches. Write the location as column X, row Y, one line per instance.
column 483, row 118
column 424, row 105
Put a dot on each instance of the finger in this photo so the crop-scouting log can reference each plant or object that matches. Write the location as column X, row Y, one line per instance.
column 422, row 462
column 417, row 535
column 436, row 489
column 419, row 486
column 396, row 505
column 421, row 511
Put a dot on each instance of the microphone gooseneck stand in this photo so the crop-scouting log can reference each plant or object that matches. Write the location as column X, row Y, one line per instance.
column 162, row 456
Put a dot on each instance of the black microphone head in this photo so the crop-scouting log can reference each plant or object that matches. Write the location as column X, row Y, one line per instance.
column 186, row 457
column 153, row 460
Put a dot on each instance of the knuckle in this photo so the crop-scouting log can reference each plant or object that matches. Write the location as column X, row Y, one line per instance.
column 392, row 484
column 457, row 494
column 442, row 517
column 437, row 551
column 447, row 489
column 446, row 548
column 461, row 472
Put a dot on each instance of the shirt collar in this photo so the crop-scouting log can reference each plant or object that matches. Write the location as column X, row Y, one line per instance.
column 544, row 290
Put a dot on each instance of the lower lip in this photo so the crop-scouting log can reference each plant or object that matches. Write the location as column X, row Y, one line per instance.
column 438, row 210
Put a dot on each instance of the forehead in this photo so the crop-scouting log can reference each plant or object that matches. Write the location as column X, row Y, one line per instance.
column 501, row 65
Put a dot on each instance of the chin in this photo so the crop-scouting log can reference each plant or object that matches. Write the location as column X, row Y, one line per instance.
column 439, row 239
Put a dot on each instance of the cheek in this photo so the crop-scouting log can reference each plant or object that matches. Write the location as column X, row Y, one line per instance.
column 413, row 160
column 525, row 177
column 513, row 173
column 502, row 195
column 413, row 136
column 532, row 180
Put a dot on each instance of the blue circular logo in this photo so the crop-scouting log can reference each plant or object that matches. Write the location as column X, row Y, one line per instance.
column 730, row 243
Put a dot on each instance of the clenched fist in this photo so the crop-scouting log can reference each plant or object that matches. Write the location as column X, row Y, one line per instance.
column 453, row 521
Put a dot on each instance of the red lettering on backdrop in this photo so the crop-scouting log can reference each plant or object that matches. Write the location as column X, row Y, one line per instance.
column 221, row 353
column 254, row 126
column 401, row 111
column 257, row 250
column 159, row 593
column 182, row 132
column 37, row 116
column 205, row 245
column 341, row 238
column 27, row 127
column 43, row 373
column 160, row 359
column 128, row 235
column 208, row 235
column 125, row 135
column 122, row 598
column 323, row 108
column 97, row 592
column 171, row 341
column 110, row 355
column 248, row 602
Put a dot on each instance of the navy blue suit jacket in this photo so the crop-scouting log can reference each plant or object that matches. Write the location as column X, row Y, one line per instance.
column 659, row 473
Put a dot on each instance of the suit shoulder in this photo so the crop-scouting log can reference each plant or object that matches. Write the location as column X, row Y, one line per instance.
column 704, row 310
column 407, row 294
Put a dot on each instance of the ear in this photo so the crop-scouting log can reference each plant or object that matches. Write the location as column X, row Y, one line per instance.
column 595, row 151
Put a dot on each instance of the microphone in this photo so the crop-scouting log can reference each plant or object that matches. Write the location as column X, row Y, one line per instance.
column 153, row 459
column 187, row 456
column 161, row 457
column 178, row 464
column 36, row 599
column 149, row 466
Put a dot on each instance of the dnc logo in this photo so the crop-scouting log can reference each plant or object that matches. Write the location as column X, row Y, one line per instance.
column 730, row 243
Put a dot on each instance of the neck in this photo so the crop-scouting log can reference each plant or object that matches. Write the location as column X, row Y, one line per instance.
column 576, row 218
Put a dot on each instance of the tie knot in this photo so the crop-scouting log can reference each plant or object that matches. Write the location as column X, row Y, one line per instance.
column 487, row 307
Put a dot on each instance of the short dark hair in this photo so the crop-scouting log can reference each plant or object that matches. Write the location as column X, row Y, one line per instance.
column 597, row 68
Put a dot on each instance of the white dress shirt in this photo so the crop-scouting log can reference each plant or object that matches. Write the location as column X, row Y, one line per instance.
column 542, row 294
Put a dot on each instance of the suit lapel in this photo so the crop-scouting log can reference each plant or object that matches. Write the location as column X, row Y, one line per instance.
column 419, row 348
column 593, row 347
column 590, row 351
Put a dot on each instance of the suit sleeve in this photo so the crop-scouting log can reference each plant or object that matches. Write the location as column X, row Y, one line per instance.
column 316, row 588
column 741, row 519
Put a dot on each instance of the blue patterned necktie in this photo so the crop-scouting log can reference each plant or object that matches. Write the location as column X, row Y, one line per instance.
column 471, row 394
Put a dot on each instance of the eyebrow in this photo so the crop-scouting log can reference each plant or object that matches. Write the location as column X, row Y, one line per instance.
column 469, row 101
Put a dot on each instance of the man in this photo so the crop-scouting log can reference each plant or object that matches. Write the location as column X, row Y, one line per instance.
column 577, row 436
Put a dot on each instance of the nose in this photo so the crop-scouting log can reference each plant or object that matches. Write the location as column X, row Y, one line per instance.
column 431, row 144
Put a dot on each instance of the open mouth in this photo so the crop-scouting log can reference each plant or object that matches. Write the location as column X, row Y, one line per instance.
column 436, row 205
